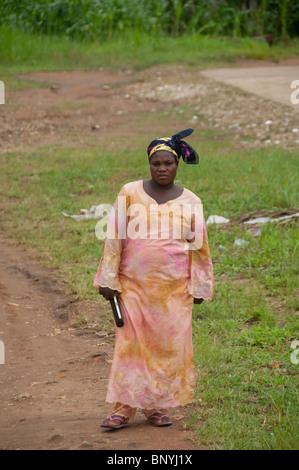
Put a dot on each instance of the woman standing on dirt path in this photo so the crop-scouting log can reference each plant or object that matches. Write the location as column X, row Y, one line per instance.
column 157, row 270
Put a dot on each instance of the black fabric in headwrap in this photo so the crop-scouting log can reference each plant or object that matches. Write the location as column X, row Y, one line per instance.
column 176, row 144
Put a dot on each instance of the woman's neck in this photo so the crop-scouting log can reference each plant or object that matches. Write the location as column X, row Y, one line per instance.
column 161, row 193
column 161, row 187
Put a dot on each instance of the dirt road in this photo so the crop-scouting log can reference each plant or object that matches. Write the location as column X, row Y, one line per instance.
column 96, row 107
column 53, row 382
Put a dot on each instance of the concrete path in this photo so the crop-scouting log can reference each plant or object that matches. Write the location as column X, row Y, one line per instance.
column 271, row 82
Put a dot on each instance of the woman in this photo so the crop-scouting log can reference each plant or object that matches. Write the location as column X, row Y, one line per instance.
column 157, row 277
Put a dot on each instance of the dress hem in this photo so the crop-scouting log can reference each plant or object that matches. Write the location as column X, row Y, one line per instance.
column 157, row 406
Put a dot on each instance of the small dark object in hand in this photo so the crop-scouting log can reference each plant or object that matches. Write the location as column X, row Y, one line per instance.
column 115, row 305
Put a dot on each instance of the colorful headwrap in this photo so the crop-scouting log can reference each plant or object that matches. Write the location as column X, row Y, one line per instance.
column 176, row 146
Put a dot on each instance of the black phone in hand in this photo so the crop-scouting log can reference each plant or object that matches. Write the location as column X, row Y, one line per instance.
column 117, row 313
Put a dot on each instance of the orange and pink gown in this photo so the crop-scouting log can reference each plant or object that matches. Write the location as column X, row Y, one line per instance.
column 157, row 277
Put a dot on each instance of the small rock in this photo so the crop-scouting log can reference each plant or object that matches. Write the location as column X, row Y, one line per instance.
column 240, row 242
column 54, row 88
column 86, row 444
column 178, row 416
column 22, row 396
column 217, row 219
column 220, row 248
column 102, row 334
column 99, row 354
column 56, row 437
column 255, row 232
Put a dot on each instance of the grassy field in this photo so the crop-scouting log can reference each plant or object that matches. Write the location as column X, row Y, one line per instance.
column 247, row 394
column 25, row 52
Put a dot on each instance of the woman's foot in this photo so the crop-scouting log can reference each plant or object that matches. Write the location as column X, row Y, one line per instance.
column 159, row 419
column 115, row 422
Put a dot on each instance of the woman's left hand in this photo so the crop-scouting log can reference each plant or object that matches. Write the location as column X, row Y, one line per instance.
column 198, row 301
column 107, row 292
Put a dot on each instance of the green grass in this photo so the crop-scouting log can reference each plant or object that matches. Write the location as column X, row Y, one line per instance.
column 134, row 50
column 244, row 402
column 100, row 19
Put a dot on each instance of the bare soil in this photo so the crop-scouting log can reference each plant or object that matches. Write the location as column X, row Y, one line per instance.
column 101, row 107
column 53, row 382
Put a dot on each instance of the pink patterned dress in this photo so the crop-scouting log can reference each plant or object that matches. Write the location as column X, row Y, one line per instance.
column 157, row 276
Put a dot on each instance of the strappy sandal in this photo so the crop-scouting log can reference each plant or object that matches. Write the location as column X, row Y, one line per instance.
column 156, row 420
column 108, row 422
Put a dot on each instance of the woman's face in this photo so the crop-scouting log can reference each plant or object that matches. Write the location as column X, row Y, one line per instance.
column 163, row 166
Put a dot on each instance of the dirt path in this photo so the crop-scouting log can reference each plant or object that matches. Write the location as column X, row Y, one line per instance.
column 53, row 382
column 102, row 107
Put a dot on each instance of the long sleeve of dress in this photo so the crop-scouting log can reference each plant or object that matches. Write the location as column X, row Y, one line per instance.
column 107, row 273
column 201, row 269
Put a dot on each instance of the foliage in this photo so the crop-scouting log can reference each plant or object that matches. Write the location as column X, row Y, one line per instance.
column 91, row 20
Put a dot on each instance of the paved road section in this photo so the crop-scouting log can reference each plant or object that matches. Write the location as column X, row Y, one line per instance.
column 273, row 82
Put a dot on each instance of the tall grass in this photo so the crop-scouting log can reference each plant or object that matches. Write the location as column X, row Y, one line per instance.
column 91, row 20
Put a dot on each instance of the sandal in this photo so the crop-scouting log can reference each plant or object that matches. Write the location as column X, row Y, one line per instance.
column 108, row 423
column 156, row 419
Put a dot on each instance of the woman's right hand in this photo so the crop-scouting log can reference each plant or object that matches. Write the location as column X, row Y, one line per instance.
column 107, row 292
